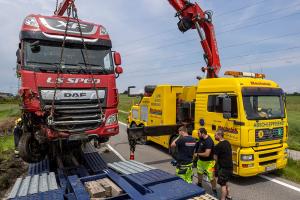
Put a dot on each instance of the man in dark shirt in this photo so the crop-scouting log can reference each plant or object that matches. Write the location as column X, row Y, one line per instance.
column 223, row 156
column 185, row 145
column 206, row 162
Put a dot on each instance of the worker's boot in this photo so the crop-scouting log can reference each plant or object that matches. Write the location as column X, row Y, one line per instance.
column 215, row 193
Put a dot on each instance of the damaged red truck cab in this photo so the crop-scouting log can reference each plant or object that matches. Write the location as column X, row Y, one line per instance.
column 79, row 89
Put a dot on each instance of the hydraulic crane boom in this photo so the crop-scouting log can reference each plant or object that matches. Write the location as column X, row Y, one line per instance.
column 191, row 16
column 63, row 7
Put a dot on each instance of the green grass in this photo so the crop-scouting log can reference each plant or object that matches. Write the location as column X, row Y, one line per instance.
column 6, row 143
column 293, row 112
column 126, row 102
column 9, row 110
column 291, row 171
column 125, row 105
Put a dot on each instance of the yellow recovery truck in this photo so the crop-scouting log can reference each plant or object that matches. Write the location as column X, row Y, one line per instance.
column 249, row 108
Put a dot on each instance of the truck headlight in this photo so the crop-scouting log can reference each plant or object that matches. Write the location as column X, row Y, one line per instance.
column 247, row 157
column 286, row 151
column 112, row 119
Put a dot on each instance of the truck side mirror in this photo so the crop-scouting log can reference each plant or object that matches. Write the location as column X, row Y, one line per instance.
column 18, row 54
column 227, row 107
column 133, row 95
column 117, row 58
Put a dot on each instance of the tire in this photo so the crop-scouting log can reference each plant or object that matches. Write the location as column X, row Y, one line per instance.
column 172, row 150
column 30, row 150
column 150, row 88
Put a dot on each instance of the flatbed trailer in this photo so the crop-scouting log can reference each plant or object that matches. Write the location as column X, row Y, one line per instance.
column 71, row 178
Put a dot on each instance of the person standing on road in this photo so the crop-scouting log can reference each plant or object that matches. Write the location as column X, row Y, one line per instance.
column 206, row 162
column 185, row 145
column 223, row 156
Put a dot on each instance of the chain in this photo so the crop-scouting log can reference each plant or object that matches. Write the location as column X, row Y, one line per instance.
column 56, row 6
column 86, row 60
column 60, row 63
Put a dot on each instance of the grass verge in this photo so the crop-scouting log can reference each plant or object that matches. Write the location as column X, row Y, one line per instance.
column 291, row 171
column 6, row 143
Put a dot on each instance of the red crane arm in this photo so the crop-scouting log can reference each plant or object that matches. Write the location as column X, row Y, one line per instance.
column 191, row 16
column 63, row 7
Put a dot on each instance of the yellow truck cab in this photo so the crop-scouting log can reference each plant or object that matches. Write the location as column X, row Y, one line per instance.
column 251, row 111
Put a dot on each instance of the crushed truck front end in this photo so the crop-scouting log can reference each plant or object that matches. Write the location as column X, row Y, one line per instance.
column 256, row 127
column 68, row 88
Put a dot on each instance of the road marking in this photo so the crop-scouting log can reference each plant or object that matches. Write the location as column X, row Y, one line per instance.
column 281, row 183
column 115, row 152
column 122, row 123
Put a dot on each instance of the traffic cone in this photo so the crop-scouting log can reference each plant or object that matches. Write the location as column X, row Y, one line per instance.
column 131, row 155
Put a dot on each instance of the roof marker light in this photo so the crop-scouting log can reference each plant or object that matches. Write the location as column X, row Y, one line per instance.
column 245, row 74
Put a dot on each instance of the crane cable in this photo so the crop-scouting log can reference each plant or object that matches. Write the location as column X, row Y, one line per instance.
column 86, row 61
column 72, row 9
column 52, row 112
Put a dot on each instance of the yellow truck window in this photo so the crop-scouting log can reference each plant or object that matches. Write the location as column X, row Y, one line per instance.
column 215, row 104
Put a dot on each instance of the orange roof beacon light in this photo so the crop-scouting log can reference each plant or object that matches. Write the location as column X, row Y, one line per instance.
column 245, row 74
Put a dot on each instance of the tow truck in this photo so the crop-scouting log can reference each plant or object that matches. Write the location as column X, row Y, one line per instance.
column 68, row 87
column 251, row 109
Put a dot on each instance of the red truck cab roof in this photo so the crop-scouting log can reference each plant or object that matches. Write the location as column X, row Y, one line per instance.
column 53, row 28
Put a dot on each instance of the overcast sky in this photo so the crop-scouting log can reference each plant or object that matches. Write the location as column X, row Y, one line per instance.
column 252, row 35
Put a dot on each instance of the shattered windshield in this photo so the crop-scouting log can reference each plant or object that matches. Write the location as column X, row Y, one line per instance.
column 39, row 54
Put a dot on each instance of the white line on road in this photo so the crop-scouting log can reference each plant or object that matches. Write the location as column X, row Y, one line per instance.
column 122, row 123
column 115, row 152
column 281, row 183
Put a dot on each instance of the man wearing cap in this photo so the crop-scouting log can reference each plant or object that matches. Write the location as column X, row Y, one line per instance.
column 206, row 163
column 185, row 145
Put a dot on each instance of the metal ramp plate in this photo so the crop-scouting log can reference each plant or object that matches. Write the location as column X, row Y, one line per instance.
column 129, row 167
column 151, row 177
column 95, row 162
column 32, row 187
column 38, row 168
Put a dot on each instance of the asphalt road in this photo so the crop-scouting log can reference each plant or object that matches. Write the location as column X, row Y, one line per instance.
column 254, row 188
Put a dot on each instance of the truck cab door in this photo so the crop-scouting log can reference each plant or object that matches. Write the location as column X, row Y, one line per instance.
column 220, row 115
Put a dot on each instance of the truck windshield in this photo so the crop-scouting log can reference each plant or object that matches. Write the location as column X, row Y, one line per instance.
column 261, row 104
column 46, row 55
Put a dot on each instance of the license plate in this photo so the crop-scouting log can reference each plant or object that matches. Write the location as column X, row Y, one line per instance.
column 270, row 168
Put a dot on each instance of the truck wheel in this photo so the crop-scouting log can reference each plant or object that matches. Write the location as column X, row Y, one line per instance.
column 172, row 150
column 30, row 149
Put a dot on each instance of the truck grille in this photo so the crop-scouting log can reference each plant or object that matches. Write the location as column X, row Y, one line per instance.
column 268, row 134
column 75, row 115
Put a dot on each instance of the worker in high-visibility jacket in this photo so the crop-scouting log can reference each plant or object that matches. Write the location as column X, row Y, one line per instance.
column 185, row 145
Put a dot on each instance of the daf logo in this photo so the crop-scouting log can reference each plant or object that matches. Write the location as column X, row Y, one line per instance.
column 73, row 80
column 72, row 25
column 74, row 95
